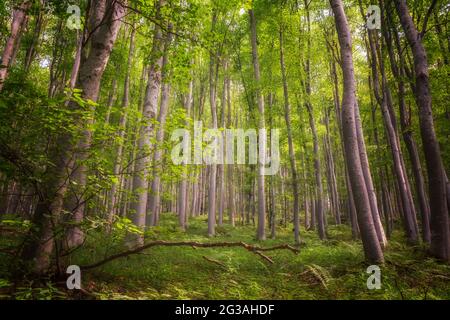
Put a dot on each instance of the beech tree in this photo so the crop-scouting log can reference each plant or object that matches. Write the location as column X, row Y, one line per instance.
column 372, row 247
column 96, row 119
column 19, row 18
column 440, row 238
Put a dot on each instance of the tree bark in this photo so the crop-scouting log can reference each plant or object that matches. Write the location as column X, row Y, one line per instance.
column 230, row 169
column 155, row 196
column 213, row 167
column 19, row 16
column 320, row 215
column 439, row 223
column 114, row 196
column 287, row 117
column 368, row 178
column 371, row 244
column 334, row 195
column 40, row 244
column 182, row 194
column 143, row 157
column 31, row 51
column 405, row 123
column 261, row 233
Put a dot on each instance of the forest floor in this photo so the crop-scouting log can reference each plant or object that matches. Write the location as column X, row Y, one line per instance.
column 332, row 269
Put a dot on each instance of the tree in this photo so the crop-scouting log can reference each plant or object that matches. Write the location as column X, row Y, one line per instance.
column 114, row 196
column 287, row 116
column 19, row 18
column 261, row 234
column 372, row 247
column 439, row 225
column 40, row 244
column 143, row 157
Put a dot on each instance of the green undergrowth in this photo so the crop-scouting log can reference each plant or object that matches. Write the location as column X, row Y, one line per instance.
column 331, row 269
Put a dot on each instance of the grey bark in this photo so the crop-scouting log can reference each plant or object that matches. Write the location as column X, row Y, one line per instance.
column 90, row 74
column 261, row 234
column 141, row 174
column 439, row 222
column 155, row 196
column 19, row 16
column 114, row 196
column 287, row 117
column 371, row 244
column 40, row 243
column 213, row 166
column 182, row 193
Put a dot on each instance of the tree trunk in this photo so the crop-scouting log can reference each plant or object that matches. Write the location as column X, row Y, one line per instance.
column 114, row 196
column 90, row 74
column 143, row 157
column 439, row 223
column 213, row 167
column 368, row 178
column 40, row 244
column 230, row 169
column 19, row 16
column 182, row 193
column 287, row 117
column 261, row 233
column 31, row 51
column 221, row 177
column 320, row 215
column 332, row 172
column 155, row 196
column 371, row 244
column 405, row 123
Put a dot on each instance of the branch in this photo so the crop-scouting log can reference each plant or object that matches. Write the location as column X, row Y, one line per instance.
column 253, row 249
column 427, row 16
column 215, row 262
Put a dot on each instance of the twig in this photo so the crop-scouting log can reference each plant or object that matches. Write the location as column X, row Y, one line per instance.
column 251, row 248
column 215, row 261
column 262, row 255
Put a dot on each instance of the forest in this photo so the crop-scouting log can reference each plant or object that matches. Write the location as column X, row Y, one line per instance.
column 212, row 149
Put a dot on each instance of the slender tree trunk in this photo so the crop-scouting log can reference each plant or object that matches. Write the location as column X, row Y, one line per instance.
column 16, row 49
column 384, row 101
column 31, row 51
column 371, row 244
column 213, row 167
column 439, row 223
column 405, row 123
column 287, row 117
column 111, row 100
column 261, row 233
column 332, row 169
column 182, row 193
column 143, row 157
column 114, row 196
column 338, row 111
column 77, row 62
column 230, row 169
column 368, row 178
column 19, row 16
column 320, row 215
column 221, row 177
column 155, row 196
